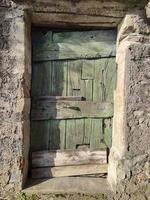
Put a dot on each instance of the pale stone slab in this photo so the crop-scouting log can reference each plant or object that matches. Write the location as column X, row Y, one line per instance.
column 84, row 185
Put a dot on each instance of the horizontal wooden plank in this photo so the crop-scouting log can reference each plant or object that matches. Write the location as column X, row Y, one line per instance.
column 63, row 98
column 68, row 157
column 75, row 51
column 77, row 170
column 65, row 20
column 46, row 109
column 75, row 45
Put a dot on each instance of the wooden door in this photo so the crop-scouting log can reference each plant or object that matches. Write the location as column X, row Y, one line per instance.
column 73, row 79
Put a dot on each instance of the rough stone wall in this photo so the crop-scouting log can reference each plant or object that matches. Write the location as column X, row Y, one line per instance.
column 14, row 99
column 131, row 153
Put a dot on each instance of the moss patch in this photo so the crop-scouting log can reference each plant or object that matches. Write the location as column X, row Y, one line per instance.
column 23, row 196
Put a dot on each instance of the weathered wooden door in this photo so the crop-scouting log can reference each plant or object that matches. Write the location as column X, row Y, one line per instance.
column 73, row 79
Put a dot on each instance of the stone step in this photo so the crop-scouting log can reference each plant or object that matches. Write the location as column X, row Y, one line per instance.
column 63, row 185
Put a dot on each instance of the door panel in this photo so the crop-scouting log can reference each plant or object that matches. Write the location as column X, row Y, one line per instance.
column 73, row 79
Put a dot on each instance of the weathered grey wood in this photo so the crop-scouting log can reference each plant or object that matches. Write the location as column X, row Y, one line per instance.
column 87, row 89
column 96, row 141
column 40, row 84
column 62, row 134
column 109, row 78
column 39, row 135
column 98, row 85
column 68, row 157
column 74, row 133
column 57, row 134
column 76, row 45
column 58, row 87
column 88, row 69
column 72, row 20
column 70, row 109
column 68, row 171
column 108, row 132
column 63, row 98
column 58, row 77
column 74, row 127
column 76, row 51
column 74, row 78
column 87, row 92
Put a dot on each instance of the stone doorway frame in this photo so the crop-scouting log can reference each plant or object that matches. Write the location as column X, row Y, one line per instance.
column 128, row 34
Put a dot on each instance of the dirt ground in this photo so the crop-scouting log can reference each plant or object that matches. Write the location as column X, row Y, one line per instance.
column 22, row 196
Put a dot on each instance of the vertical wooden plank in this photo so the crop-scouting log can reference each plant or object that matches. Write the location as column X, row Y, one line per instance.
column 87, row 131
column 96, row 140
column 109, row 75
column 57, row 137
column 83, row 88
column 41, row 76
column 54, row 135
column 70, row 134
column 74, row 78
column 58, row 78
column 58, row 88
column 104, row 85
column 74, row 127
column 79, row 127
column 39, row 135
column 87, row 89
column 74, row 133
column 62, row 128
column 98, row 86
column 88, row 69
column 87, row 92
column 108, row 132
column 105, row 70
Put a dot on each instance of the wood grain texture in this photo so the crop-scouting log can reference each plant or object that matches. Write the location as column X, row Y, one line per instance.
column 109, row 78
column 68, row 157
column 88, row 70
column 39, row 135
column 74, row 78
column 69, row 171
column 40, row 84
column 98, row 85
column 70, row 20
column 69, row 96
column 108, row 132
column 70, row 109
column 96, row 141
column 76, row 45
